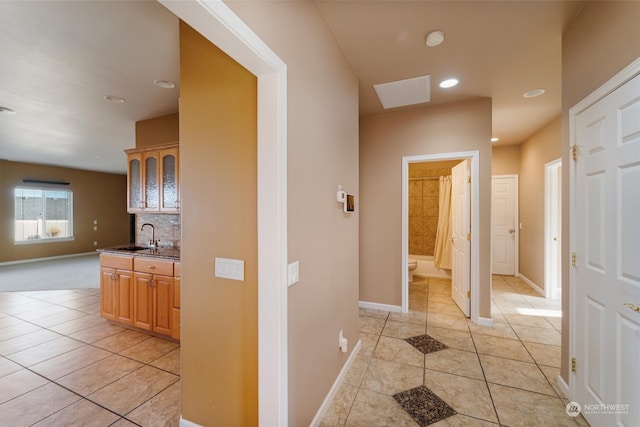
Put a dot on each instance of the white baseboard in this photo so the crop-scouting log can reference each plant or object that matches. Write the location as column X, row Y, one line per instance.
column 186, row 423
column 535, row 287
column 377, row 306
column 485, row 321
column 564, row 387
column 25, row 261
column 336, row 386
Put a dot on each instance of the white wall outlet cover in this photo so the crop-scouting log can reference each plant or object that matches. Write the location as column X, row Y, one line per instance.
column 226, row 268
column 340, row 195
column 293, row 273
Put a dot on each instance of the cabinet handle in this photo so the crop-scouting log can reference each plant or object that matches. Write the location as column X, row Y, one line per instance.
column 151, row 283
column 114, row 276
column 152, row 267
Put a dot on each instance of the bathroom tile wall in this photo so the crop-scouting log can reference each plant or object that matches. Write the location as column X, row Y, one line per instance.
column 167, row 228
column 423, row 209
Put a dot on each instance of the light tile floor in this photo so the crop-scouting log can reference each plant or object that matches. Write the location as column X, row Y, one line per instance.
column 502, row 375
column 61, row 364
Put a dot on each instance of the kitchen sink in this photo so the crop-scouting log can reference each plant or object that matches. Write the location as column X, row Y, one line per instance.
column 130, row 248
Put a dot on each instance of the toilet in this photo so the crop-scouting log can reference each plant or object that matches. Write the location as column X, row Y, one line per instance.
column 413, row 264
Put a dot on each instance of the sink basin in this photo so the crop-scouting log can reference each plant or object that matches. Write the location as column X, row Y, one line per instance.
column 130, row 248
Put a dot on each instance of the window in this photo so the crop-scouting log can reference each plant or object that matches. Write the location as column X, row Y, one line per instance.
column 43, row 214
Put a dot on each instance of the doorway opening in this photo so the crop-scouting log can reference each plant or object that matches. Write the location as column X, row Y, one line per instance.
column 472, row 239
column 553, row 229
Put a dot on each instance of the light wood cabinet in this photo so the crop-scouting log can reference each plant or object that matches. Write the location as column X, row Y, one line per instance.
column 115, row 288
column 153, row 183
column 140, row 292
column 176, row 301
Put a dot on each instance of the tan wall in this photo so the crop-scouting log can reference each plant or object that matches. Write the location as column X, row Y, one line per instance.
column 505, row 160
column 384, row 140
column 601, row 41
column 96, row 195
column 322, row 153
column 543, row 147
column 218, row 158
column 159, row 130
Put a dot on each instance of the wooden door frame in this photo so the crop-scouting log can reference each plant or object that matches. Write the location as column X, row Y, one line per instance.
column 218, row 24
column 607, row 88
column 516, row 214
column 474, row 156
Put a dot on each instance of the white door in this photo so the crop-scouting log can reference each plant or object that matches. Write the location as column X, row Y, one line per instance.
column 607, row 245
column 460, row 236
column 503, row 224
column 553, row 229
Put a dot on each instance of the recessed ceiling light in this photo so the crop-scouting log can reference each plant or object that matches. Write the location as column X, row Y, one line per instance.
column 6, row 110
column 494, row 139
column 165, row 84
column 434, row 38
column 533, row 93
column 448, row 83
column 113, row 98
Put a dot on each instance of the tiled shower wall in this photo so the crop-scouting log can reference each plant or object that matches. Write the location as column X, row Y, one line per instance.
column 423, row 209
column 167, row 228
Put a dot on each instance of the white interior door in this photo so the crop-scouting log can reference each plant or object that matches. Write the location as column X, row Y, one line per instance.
column 460, row 236
column 607, row 276
column 553, row 229
column 503, row 225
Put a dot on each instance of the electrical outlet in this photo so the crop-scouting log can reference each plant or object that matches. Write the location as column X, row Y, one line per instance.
column 95, row 243
column 293, row 273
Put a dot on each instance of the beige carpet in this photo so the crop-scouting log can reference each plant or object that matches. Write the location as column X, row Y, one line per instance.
column 64, row 273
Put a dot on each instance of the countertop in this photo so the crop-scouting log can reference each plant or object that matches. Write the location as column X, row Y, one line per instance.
column 162, row 252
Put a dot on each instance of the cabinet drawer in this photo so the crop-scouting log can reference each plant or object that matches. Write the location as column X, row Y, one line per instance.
column 154, row 266
column 177, row 269
column 121, row 262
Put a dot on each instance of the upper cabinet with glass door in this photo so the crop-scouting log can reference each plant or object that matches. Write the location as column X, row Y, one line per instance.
column 153, row 179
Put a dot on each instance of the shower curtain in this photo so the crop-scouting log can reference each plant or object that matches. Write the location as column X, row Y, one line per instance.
column 442, row 250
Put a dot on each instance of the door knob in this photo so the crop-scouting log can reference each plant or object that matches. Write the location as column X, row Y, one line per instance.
column 633, row 307
column 512, row 231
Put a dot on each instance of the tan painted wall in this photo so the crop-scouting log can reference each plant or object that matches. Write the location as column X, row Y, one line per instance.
column 159, row 130
column 601, row 41
column 543, row 147
column 322, row 154
column 218, row 165
column 96, row 195
column 384, row 140
column 505, row 160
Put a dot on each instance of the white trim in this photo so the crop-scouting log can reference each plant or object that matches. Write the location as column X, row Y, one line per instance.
column 382, row 307
column 335, row 387
column 187, row 423
column 485, row 321
column 609, row 86
column 26, row 261
column 516, row 215
column 474, row 156
column 217, row 23
column 563, row 386
column 549, row 192
column 529, row 282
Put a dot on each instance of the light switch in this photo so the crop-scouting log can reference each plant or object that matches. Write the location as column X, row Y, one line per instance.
column 229, row 269
column 95, row 228
column 293, row 273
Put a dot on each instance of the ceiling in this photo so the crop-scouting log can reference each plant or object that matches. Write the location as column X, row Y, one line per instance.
column 60, row 59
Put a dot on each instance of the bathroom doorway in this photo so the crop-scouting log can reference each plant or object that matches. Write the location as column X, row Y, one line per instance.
column 425, row 242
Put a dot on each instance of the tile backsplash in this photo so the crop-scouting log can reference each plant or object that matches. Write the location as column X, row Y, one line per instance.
column 167, row 229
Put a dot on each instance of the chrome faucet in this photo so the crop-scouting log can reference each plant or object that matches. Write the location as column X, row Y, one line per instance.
column 152, row 242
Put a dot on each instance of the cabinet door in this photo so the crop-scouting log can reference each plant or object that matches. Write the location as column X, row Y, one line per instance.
column 135, row 194
column 108, row 296
column 169, row 182
column 125, row 296
column 163, row 307
column 151, row 182
column 143, row 301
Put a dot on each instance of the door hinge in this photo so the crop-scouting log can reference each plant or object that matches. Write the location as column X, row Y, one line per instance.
column 468, row 236
column 573, row 364
column 469, row 294
column 574, row 259
column 574, row 152
column 469, row 179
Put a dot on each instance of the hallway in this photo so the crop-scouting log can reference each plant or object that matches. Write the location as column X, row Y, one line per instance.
column 482, row 376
